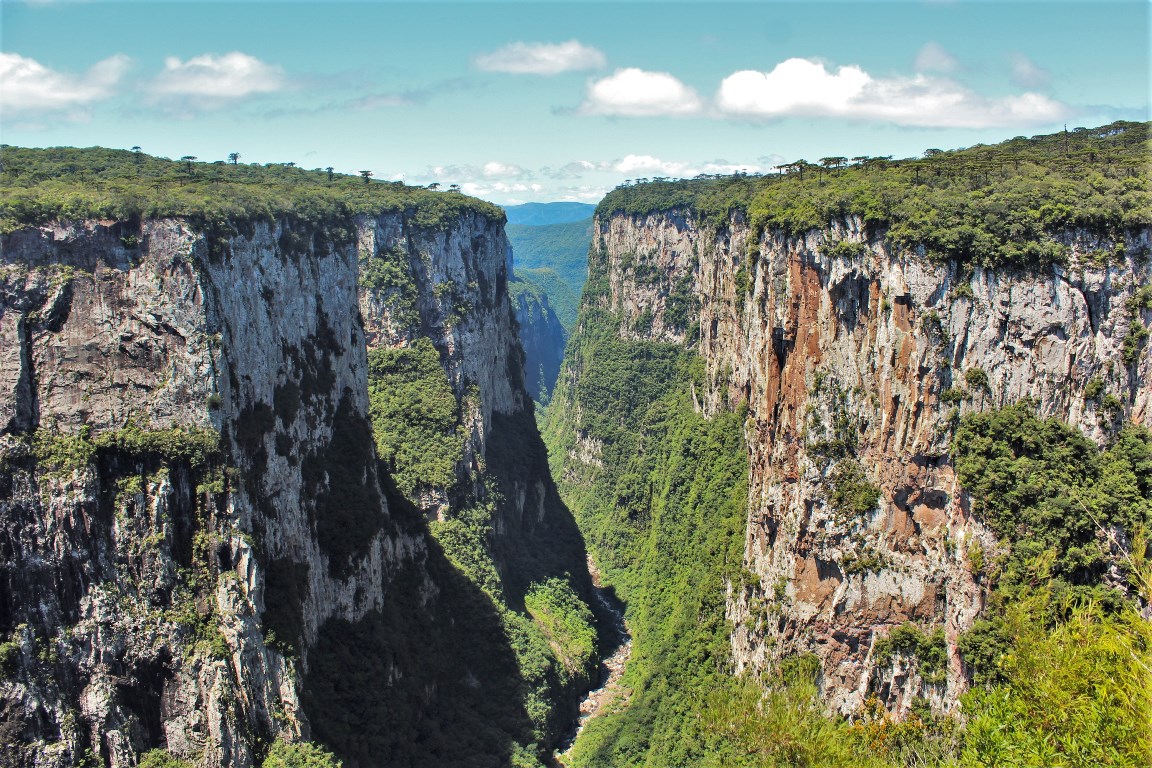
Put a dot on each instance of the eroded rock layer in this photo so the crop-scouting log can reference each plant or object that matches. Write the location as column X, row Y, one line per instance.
column 856, row 359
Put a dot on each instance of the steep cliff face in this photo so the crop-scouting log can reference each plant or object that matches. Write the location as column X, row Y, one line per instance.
column 542, row 336
column 197, row 538
column 856, row 359
column 494, row 507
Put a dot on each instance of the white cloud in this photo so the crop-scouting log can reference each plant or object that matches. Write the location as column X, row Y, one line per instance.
column 26, row 85
column 649, row 164
column 502, row 170
column 1027, row 74
column 217, row 78
column 638, row 165
column 458, row 174
column 933, row 58
column 635, row 92
column 541, row 58
column 479, row 189
column 807, row 88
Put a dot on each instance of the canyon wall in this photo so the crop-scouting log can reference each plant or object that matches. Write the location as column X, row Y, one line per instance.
column 195, row 530
column 856, row 360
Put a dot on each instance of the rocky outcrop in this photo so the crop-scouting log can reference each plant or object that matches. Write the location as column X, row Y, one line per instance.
column 189, row 495
column 856, row 359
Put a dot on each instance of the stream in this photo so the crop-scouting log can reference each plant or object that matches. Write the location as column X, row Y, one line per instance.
column 608, row 690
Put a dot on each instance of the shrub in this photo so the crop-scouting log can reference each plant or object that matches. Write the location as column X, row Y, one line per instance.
column 931, row 651
column 977, row 379
column 1094, row 388
column 300, row 754
column 852, row 495
column 161, row 758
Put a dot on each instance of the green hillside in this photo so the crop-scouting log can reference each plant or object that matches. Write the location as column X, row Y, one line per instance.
column 1061, row 660
column 559, row 247
column 993, row 204
column 39, row 185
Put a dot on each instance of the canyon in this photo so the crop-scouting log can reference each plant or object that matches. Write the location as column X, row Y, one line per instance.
column 271, row 469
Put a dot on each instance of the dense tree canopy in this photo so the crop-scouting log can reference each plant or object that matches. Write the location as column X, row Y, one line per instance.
column 41, row 185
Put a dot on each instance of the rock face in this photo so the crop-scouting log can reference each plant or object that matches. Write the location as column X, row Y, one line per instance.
column 856, row 362
column 156, row 596
column 543, row 338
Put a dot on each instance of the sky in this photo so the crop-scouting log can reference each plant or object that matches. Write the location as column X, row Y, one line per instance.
column 544, row 101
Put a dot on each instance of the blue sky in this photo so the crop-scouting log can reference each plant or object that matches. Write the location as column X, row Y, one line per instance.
column 561, row 100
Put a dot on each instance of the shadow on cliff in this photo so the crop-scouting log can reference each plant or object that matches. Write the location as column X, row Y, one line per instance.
column 432, row 680
column 428, row 681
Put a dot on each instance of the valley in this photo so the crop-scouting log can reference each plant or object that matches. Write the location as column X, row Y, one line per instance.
column 818, row 467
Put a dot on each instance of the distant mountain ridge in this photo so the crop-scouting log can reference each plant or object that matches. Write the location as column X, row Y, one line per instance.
column 541, row 214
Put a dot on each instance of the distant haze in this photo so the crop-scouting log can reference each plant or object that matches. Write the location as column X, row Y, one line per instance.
column 541, row 214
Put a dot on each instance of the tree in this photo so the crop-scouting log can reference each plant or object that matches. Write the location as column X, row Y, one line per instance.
column 797, row 167
column 367, row 175
column 454, row 188
column 329, row 169
column 188, row 159
column 434, row 186
column 833, row 162
column 233, row 157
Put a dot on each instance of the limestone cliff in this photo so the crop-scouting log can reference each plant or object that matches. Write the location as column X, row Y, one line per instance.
column 856, row 358
column 197, row 538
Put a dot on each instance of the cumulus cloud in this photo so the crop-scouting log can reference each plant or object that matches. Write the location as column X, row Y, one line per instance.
column 27, row 86
column 636, row 92
column 933, row 58
column 494, row 169
column 541, row 58
column 808, row 88
column 481, row 189
column 1027, row 74
column 638, row 165
column 213, row 78
column 475, row 173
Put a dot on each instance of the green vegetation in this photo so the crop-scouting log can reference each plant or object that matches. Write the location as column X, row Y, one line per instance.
column 389, row 276
column 976, row 379
column 565, row 620
column 161, row 758
column 562, row 248
column 663, row 511
column 1070, row 692
column 852, row 495
column 61, row 453
column 41, row 185
column 414, row 416
column 520, row 584
column 843, row 249
column 1041, row 485
column 783, row 729
column 563, row 296
column 1094, row 388
column 300, row 754
column 1062, row 665
column 992, row 205
column 930, row 650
